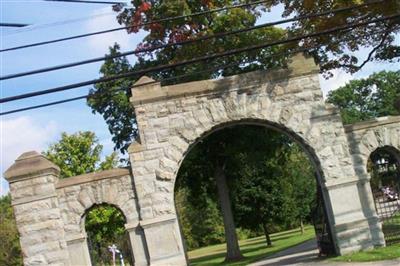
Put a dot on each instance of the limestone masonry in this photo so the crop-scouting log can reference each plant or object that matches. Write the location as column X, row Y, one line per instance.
column 50, row 212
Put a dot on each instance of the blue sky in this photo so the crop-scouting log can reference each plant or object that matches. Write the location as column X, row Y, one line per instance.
column 35, row 130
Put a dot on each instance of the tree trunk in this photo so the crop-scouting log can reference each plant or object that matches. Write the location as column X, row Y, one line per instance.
column 232, row 244
column 267, row 237
column 302, row 226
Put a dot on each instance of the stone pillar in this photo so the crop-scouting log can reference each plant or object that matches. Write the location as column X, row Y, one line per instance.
column 78, row 250
column 164, row 241
column 138, row 244
column 32, row 181
column 356, row 226
column 161, row 231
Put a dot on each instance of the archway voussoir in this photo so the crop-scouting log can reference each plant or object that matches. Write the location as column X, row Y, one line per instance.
column 370, row 142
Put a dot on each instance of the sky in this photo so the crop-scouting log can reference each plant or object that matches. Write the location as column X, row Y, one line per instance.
column 36, row 129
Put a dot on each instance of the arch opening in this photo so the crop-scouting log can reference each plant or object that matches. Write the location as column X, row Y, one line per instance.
column 107, row 239
column 272, row 183
column 384, row 168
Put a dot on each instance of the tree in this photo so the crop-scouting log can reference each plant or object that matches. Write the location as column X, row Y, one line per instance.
column 10, row 250
column 209, row 158
column 378, row 36
column 367, row 98
column 330, row 51
column 338, row 50
column 302, row 179
column 111, row 100
column 78, row 154
column 273, row 182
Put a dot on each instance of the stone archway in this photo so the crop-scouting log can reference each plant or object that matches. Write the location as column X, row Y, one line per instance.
column 172, row 118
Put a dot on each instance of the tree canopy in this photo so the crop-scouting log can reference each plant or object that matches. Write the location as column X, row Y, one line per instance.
column 10, row 250
column 368, row 98
column 79, row 153
column 337, row 50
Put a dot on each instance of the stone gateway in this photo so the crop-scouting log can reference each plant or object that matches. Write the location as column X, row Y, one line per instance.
column 50, row 212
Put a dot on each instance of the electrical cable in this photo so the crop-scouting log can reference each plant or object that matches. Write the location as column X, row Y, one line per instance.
column 148, row 83
column 186, row 42
column 216, row 10
column 194, row 60
column 13, row 25
column 58, row 23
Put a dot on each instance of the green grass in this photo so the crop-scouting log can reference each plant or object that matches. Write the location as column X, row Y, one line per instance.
column 252, row 249
column 384, row 253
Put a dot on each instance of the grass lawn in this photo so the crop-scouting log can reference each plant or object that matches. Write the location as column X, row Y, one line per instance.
column 252, row 249
column 385, row 253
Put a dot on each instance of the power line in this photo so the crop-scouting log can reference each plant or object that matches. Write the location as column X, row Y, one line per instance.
column 216, row 10
column 14, row 25
column 194, row 60
column 186, row 42
column 58, row 23
column 147, row 83
column 88, row 2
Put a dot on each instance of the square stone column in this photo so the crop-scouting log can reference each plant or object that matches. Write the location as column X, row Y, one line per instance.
column 78, row 250
column 138, row 244
column 164, row 241
column 32, row 180
column 356, row 226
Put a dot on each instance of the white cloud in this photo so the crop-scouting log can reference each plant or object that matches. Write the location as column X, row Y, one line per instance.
column 339, row 79
column 20, row 135
column 99, row 43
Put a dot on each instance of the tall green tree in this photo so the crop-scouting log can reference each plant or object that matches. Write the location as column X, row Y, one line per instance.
column 79, row 153
column 10, row 250
column 368, row 98
column 274, row 182
column 114, row 105
column 111, row 100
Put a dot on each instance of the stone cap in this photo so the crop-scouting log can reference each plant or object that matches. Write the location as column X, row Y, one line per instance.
column 380, row 121
column 146, row 90
column 92, row 177
column 29, row 164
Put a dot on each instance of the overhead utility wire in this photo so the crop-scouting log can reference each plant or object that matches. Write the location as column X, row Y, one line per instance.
column 186, row 42
column 150, row 82
column 88, row 2
column 14, row 25
column 57, row 23
column 194, row 60
column 154, row 82
column 216, row 10
column 234, row 64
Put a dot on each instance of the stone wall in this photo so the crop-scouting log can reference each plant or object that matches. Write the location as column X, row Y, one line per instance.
column 50, row 212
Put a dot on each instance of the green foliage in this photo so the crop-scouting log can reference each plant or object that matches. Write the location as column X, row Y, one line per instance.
column 111, row 100
column 267, row 174
column 10, row 250
column 199, row 234
column 271, row 177
column 105, row 226
column 379, row 37
column 78, row 154
column 112, row 103
column 367, row 98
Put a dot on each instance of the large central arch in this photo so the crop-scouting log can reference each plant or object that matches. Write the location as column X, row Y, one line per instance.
column 171, row 119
